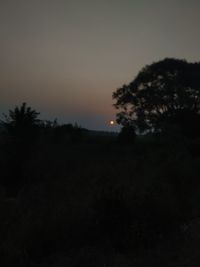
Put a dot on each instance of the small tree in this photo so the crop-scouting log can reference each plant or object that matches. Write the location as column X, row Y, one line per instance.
column 160, row 95
column 21, row 122
column 20, row 126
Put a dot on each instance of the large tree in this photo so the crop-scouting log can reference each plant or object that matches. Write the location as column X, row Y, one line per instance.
column 164, row 93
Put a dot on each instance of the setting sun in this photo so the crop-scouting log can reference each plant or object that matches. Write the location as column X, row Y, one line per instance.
column 112, row 122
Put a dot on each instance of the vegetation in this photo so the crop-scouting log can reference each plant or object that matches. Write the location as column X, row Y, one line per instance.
column 127, row 135
column 21, row 122
column 73, row 197
column 163, row 94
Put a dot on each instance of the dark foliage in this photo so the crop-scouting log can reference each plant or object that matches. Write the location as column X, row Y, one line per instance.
column 127, row 135
column 69, row 132
column 21, row 123
column 161, row 94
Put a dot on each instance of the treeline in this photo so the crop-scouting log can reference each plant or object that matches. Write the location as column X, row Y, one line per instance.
column 23, row 125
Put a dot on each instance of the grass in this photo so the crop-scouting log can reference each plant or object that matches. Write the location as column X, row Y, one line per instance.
column 99, row 203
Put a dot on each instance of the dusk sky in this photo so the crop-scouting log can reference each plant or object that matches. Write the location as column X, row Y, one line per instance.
column 65, row 58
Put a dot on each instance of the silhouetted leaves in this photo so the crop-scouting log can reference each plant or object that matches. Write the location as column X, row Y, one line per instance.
column 127, row 135
column 21, row 123
column 162, row 94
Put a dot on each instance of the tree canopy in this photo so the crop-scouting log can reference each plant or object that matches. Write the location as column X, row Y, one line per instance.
column 163, row 93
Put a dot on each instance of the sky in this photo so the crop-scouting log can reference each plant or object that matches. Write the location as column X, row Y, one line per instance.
column 65, row 58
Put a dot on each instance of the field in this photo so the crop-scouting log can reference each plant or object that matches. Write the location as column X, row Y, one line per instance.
column 93, row 201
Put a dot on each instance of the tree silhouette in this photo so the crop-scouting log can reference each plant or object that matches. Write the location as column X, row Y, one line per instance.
column 21, row 122
column 21, row 125
column 127, row 135
column 162, row 94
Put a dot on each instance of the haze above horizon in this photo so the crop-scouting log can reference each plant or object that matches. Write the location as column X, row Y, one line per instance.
column 65, row 58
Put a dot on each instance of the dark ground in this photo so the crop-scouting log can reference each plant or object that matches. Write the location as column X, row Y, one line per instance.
column 93, row 201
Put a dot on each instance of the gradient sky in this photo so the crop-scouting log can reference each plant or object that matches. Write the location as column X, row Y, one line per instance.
column 65, row 58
